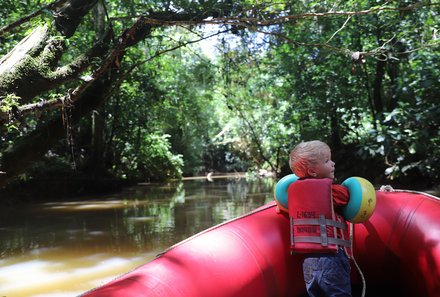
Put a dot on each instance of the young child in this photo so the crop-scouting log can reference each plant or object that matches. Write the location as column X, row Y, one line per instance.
column 325, row 274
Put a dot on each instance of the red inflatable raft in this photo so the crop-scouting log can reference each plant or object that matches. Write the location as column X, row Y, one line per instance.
column 397, row 249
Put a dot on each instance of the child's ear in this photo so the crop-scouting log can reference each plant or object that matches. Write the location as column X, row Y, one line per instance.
column 311, row 172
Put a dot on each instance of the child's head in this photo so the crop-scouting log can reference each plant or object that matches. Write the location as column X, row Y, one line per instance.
column 312, row 159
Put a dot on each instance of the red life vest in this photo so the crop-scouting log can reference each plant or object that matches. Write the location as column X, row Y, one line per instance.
column 314, row 225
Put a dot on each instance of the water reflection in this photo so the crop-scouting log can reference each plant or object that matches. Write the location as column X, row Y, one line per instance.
column 64, row 248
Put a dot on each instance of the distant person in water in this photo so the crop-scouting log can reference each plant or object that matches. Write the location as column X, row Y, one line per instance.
column 325, row 274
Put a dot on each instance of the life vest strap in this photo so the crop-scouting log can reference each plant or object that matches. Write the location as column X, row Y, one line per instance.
column 323, row 239
column 318, row 239
column 315, row 221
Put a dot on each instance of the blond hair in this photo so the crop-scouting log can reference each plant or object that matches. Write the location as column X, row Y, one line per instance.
column 305, row 155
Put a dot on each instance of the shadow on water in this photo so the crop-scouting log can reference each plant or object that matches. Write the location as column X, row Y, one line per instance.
column 65, row 248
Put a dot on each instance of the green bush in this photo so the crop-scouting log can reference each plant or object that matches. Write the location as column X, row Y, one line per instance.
column 151, row 161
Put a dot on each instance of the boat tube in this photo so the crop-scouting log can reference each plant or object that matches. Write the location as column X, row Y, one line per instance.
column 397, row 250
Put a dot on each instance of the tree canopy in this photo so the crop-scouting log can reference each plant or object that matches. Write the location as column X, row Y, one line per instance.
column 149, row 90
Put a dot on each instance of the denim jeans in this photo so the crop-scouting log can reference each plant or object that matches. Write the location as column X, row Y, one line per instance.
column 327, row 275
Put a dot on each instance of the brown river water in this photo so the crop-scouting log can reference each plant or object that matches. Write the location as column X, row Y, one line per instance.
column 66, row 248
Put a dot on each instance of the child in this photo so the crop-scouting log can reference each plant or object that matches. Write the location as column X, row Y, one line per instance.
column 325, row 274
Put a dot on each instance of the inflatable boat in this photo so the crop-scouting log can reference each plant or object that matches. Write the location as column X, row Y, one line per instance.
column 397, row 251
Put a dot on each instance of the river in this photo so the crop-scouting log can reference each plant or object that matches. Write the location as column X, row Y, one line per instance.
column 66, row 248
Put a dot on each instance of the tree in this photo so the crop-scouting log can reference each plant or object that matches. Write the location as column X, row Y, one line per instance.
column 71, row 62
column 33, row 67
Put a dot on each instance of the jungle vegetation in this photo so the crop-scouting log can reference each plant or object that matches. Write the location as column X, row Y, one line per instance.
column 98, row 93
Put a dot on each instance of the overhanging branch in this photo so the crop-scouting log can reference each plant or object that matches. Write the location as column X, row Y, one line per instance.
column 259, row 22
column 30, row 16
column 256, row 25
column 45, row 105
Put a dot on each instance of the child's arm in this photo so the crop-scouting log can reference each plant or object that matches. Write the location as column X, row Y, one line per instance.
column 340, row 195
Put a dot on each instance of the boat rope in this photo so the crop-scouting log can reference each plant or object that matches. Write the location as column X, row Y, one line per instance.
column 388, row 188
column 364, row 283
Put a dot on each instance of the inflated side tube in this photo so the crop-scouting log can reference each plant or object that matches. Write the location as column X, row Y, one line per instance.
column 280, row 192
column 398, row 249
column 362, row 200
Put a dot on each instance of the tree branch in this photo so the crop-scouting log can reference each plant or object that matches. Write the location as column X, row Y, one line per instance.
column 246, row 22
column 17, row 23
column 159, row 53
column 339, row 30
column 254, row 23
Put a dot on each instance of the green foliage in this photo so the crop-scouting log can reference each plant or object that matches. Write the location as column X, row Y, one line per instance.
column 255, row 111
column 152, row 160
column 186, row 105
column 9, row 102
column 181, row 112
column 410, row 141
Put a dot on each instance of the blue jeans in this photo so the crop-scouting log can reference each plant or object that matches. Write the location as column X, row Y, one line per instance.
column 327, row 275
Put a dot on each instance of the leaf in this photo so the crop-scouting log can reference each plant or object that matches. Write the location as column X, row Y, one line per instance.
column 412, row 149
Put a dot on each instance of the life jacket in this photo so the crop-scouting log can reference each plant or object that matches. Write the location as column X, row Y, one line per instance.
column 314, row 225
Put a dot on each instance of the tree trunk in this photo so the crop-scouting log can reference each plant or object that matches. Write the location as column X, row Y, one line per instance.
column 393, row 74
column 377, row 87
column 17, row 159
column 70, row 15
